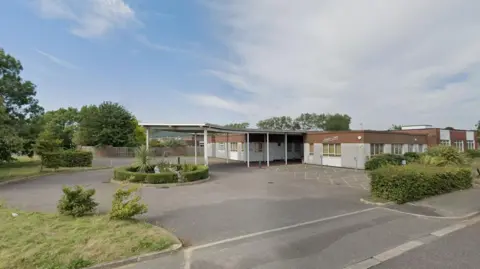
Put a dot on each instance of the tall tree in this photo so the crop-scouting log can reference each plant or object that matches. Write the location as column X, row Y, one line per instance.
column 140, row 134
column 238, row 125
column 449, row 128
column 106, row 124
column 337, row 122
column 19, row 108
column 395, row 127
column 310, row 121
column 61, row 124
column 278, row 123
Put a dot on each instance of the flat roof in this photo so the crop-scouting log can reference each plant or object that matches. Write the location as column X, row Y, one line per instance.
column 200, row 127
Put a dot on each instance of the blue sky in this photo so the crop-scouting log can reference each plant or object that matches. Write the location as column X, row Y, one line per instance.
column 244, row 60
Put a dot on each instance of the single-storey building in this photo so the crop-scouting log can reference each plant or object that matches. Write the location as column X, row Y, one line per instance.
column 349, row 149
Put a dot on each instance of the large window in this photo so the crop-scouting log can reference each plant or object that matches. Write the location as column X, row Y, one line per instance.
column 221, row 146
column 290, row 147
column 332, row 150
column 470, row 144
column 376, row 149
column 259, row 147
column 420, row 148
column 234, row 146
column 410, row 148
column 311, row 149
column 397, row 149
column 445, row 142
column 459, row 146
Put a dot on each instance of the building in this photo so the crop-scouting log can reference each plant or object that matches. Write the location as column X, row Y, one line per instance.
column 350, row 149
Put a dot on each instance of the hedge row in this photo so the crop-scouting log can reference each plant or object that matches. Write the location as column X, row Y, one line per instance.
column 68, row 158
column 122, row 174
column 413, row 182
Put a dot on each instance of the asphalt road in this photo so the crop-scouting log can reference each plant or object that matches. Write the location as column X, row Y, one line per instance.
column 458, row 250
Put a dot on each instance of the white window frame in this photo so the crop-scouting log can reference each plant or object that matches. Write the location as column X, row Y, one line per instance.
column 258, row 147
column 471, row 144
column 397, row 149
column 445, row 142
column 234, row 146
column 420, row 148
column 221, row 146
column 311, row 148
column 332, row 151
column 459, row 145
column 377, row 149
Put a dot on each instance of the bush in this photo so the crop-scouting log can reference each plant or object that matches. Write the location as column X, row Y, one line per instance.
column 77, row 201
column 378, row 161
column 67, row 158
column 411, row 157
column 201, row 172
column 443, row 156
column 473, row 153
column 188, row 171
column 126, row 204
column 412, row 182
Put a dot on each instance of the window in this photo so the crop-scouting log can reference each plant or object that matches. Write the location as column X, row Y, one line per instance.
column 420, row 148
column 234, row 146
column 376, row 149
column 240, row 145
column 445, row 142
column 311, row 149
column 290, row 147
column 397, row 149
column 259, row 147
column 332, row 150
column 470, row 144
column 221, row 146
column 410, row 148
column 459, row 145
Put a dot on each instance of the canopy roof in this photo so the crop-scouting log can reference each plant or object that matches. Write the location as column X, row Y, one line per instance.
column 212, row 128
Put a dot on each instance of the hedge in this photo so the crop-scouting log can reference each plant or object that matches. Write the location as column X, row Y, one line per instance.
column 411, row 156
column 122, row 174
column 413, row 182
column 378, row 161
column 68, row 158
column 473, row 153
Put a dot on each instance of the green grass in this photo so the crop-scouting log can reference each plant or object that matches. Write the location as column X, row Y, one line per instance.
column 25, row 166
column 49, row 241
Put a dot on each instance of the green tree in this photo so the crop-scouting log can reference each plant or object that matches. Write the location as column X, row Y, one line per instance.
column 140, row 135
column 310, row 121
column 106, row 124
column 337, row 122
column 61, row 125
column 19, row 109
column 241, row 125
column 278, row 123
column 449, row 128
column 395, row 127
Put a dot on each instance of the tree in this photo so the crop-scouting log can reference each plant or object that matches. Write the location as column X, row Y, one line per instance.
column 61, row 125
column 278, row 123
column 140, row 134
column 310, row 121
column 106, row 124
column 449, row 128
column 395, row 127
column 19, row 109
column 337, row 122
column 241, row 125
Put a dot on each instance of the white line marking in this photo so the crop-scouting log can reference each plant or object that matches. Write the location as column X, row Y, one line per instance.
column 431, row 217
column 331, row 180
column 348, row 184
column 449, row 229
column 228, row 240
column 363, row 186
column 397, row 251
column 364, row 264
column 187, row 254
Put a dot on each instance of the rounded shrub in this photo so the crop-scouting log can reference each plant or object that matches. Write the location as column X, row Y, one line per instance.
column 188, row 172
column 126, row 204
column 378, row 161
column 77, row 201
column 444, row 155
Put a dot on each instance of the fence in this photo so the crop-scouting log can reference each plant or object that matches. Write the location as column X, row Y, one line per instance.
column 130, row 151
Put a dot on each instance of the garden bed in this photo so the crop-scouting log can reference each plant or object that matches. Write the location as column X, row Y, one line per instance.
column 166, row 174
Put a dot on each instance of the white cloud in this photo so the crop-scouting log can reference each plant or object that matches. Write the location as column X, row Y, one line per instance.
column 57, row 60
column 373, row 59
column 90, row 18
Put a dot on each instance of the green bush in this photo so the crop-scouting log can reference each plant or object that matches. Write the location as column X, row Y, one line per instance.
column 411, row 157
column 126, row 204
column 188, row 171
column 443, row 156
column 378, row 161
column 67, row 158
column 201, row 172
column 473, row 153
column 77, row 201
column 412, row 182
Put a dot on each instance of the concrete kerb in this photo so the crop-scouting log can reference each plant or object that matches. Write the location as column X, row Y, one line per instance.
column 161, row 186
column 28, row 178
column 368, row 202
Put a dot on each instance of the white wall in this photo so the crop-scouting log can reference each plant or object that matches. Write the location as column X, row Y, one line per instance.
column 470, row 135
column 277, row 152
column 445, row 135
column 354, row 155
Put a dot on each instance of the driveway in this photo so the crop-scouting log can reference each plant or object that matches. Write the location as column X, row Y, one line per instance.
column 251, row 217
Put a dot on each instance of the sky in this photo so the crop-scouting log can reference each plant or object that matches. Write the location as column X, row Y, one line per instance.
column 218, row 61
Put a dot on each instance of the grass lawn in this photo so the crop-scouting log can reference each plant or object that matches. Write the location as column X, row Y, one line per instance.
column 49, row 241
column 25, row 166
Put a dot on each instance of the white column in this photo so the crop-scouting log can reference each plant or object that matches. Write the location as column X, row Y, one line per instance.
column 205, row 144
column 147, row 143
column 248, row 149
column 286, row 150
column 227, row 146
column 195, row 147
column 268, row 149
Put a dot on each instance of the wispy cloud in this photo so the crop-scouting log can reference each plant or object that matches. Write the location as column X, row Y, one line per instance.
column 57, row 60
column 89, row 18
column 149, row 44
column 377, row 60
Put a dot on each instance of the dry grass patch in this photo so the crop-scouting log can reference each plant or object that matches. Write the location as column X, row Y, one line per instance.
column 49, row 241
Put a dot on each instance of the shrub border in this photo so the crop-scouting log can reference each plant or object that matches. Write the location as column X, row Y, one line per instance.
column 161, row 185
column 122, row 169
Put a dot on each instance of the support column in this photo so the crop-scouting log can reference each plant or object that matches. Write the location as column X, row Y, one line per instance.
column 248, row 150
column 286, row 150
column 205, row 144
column 227, row 146
column 268, row 149
column 147, row 134
column 195, row 147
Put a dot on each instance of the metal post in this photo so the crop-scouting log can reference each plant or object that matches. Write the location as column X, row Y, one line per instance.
column 195, row 147
column 268, row 149
column 205, row 144
column 248, row 149
column 228, row 144
column 286, row 150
